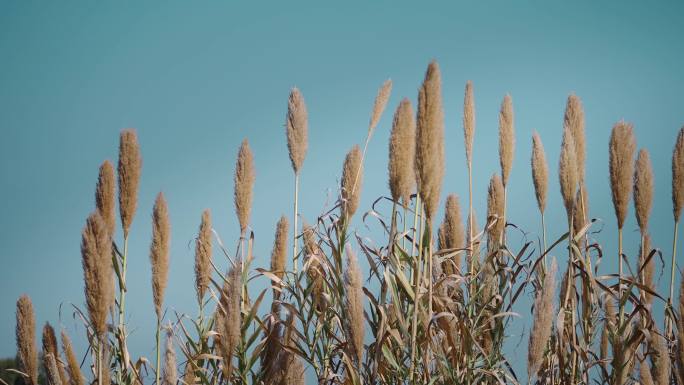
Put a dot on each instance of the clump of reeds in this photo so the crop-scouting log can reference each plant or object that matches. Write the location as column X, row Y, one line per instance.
column 228, row 322
column 643, row 189
column 105, row 199
column 621, row 151
column 203, row 256
column 27, row 354
column 353, row 307
column 50, row 347
column 130, row 164
column 159, row 251
column 567, row 171
column 244, row 183
column 73, row 367
column 279, row 252
column 506, row 138
column 542, row 324
column 97, row 272
column 352, row 172
column 402, row 147
column 495, row 209
column 452, row 235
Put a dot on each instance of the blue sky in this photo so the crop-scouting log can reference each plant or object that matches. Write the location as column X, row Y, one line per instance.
column 196, row 79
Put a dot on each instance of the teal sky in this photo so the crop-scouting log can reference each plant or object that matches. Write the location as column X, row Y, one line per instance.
column 194, row 79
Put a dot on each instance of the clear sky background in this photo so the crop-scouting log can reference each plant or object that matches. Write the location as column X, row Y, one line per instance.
column 196, row 78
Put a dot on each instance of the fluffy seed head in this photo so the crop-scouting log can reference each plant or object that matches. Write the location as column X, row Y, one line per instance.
column 430, row 140
column 643, row 189
column 351, row 183
column 495, row 207
column 354, row 307
column 170, row 376
column 542, row 324
column 581, row 212
column 244, row 183
column 27, row 354
column 96, row 258
column 567, row 171
column 621, row 151
column 159, row 251
column 540, row 171
column 454, row 236
column 506, row 138
column 661, row 360
column 279, row 253
column 297, row 128
column 50, row 347
column 678, row 175
column 73, row 368
column 574, row 120
column 105, row 199
column 51, row 371
column 379, row 105
column 469, row 120
column 402, row 150
column 203, row 256
column 130, row 164
column 228, row 321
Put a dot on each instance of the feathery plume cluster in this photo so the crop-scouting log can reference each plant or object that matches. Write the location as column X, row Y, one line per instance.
column 297, row 129
column 581, row 213
column 203, row 256
column 469, row 120
column 661, row 360
column 228, row 321
column 454, row 236
column 402, row 150
column 351, row 183
column 540, row 171
column 27, row 354
column 73, row 368
column 430, row 140
column 279, row 253
column 574, row 120
column 159, row 251
column 50, row 347
column 506, row 138
column 542, row 323
column 621, row 151
column 567, row 171
column 678, row 175
column 380, row 103
column 96, row 258
column 51, row 371
column 105, row 199
column 643, row 189
column 244, row 183
column 354, row 306
column 130, row 164
column 495, row 208
column 170, row 376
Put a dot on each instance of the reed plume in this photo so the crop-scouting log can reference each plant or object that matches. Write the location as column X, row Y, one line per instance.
column 159, row 251
column 27, row 354
column 430, row 140
column 678, row 175
column 96, row 249
column 73, row 368
column 469, row 120
column 279, row 252
column 574, row 120
column 379, row 105
column 50, row 346
column 495, row 209
column 130, row 164
column 661, row 360
column 229, row 323
column 297, row 128
column 567, row 171
column 454, row 236
column 506, row 138
column 353, row 306
column 203, row 256
column 621, row 151
column 170, row 372
column 244, row 183
column 51, row 371
column 105, row 196
column 352, row 172
column 542, row 324
column 540, row 171
column 402, row 150
column 643, row 189
column 581, row 212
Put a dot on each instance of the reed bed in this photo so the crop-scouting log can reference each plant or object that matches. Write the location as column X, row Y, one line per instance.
column 437, row 303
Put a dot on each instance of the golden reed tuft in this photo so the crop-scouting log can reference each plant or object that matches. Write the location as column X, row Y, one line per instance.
column 402, row 152
column 50, row 346
column 495, row 208
column 567, row 171
column 73, row 368
column 542, row 323
column 229, row 320
column 203, row 256
column 678, row 176
column 354, row 307
column 244, row 183
column 27, row 354
column 506, row 138
column 540, row 171
column 454, row 235
column 130, row 164
column 297, row 129
column 643, row 189
column 430, row 140
column 98, row 273
column 279, row 252
column 621, row 150
column 660, row 359
column 379, row 104
column 159, row 251
column 170, row 376
column 51, row 372
column 351, row 183
column 469, row 120
column 105, row 196
column 574, row 120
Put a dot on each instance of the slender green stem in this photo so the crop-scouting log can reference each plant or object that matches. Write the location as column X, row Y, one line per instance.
column 294, row 229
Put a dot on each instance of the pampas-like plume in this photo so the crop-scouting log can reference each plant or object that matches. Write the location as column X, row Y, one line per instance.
column 354, row 307
column 351, row 183
column 170, row 376
column 506, row 138
column 228, row 321
column 574, row 120
column 159, row 251
column 542, row 324
column 380, row 104
column 643, row 189
column 430, row 140
column 469, row 120
column 621, row 151
column 581, row 212
column 105, row 196
column 50, row 346
column 567, row 171
column 678, row 175
column 129, row 177
column 402, row 151
column 540, row 171
column 27, row 354
column 495, row 208
column 661, row 360
column 279, row 253
column 73, row 368
column 51, row 371
column 454, row 236
column 244, row 183
column 203, row 256
column 297, row 128
column 96, row 258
